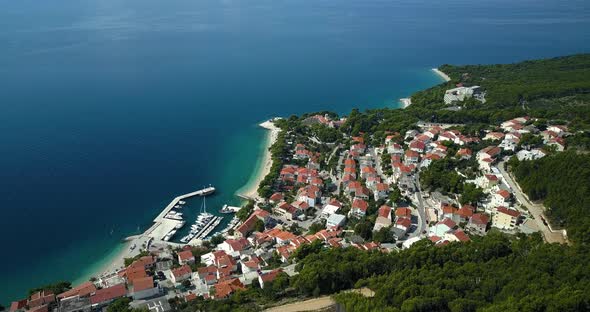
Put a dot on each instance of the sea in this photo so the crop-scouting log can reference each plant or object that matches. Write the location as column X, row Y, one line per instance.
column 110, row 108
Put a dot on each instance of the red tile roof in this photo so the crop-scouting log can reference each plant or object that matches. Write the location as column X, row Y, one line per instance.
column 384, row 211
column 360, row 204
column 226, row 288
column 460, row 235
column 18, row 305
column 504, row 193
column 81, row 290
column 107, row 294
column 143, row 283
column 182, row 271
column 480, row 219
column 403, row 212
column 185, row 255
column 511, row 212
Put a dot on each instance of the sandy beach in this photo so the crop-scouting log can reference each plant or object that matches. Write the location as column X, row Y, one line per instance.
column 441, row 74
column 406, row 102
column 250, row 190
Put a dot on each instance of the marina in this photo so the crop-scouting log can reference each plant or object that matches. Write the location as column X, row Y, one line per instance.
column 169, row 221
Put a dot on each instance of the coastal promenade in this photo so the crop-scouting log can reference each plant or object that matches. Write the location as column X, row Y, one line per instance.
column 250, row 191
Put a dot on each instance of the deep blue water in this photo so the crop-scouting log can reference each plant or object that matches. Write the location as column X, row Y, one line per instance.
column 109, row 108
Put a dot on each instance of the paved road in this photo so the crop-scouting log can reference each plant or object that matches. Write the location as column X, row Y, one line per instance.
column 536, row 210
column 420, row 207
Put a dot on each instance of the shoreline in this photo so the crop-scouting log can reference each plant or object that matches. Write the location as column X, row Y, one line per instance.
column 115, row 261
column 405, row 102
column 250, row 190
column 441, row 74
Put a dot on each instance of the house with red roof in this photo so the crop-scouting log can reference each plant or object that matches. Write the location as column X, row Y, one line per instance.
column 181, row 274
column 403, row 224
column 383, row 218
column 417, row 146
column 381, row 191
column 505, row 218
column 464, row 154
column 185, row 257
column 287, row 210
column 478, row 223
column 442, row 227
column 104, row 296
column 226, row 288
column 403, row 212
column 144, row 288
column 268, row 277
column 40, row 298
column 411, row 157
column 465, row 213
column 234, row 247
column 248, row 226
column 134, row 272
column 359, row 208
column 83, row 290
column 501, row 198
column 494, row 136
column 18, row 306
column 457, row 236
column 395, row 149
column 449, row 212
column 275, row 198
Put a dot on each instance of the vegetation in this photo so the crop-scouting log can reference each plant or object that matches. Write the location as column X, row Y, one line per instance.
column 56, row 288
column 246, row 210
column 492, row 273
column 562, row 181
column 441, row 175
column 128, row 261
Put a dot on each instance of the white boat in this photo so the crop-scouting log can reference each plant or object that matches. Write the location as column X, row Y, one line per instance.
column 180, row 225
column 181, row 202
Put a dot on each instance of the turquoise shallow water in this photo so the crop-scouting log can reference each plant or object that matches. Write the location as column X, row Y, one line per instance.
column 109, row 109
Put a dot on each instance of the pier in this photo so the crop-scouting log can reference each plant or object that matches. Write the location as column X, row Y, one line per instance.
column 162, row 225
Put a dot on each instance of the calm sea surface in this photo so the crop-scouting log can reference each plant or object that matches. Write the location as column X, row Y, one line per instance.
column 110, row 108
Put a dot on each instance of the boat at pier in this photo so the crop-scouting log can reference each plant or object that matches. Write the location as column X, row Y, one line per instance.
column 229, row 209
column 180, row 225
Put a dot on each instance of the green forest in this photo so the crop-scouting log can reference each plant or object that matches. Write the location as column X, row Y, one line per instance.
column 562, row 182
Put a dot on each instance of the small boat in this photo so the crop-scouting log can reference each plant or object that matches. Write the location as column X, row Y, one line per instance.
column 180, row 225
column 226, row 209
column 181, row 202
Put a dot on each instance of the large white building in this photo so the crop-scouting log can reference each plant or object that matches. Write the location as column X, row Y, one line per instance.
column 459, row 94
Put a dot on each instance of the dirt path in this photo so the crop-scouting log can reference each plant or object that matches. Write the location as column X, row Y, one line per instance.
column 307, row 305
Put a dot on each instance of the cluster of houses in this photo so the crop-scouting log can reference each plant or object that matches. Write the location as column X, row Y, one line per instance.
column 258, row 243
column 136, row 281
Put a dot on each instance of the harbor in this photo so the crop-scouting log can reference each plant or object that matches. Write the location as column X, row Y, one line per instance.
column 170, row 220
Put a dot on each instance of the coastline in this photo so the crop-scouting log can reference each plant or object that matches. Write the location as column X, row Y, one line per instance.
column 441, row 74
column 115, row 260
column 250, row 190
column 405, row 102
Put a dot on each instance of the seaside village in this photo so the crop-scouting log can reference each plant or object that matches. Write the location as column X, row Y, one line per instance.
column 347, row 194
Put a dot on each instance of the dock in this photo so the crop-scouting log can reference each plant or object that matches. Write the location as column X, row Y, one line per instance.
column 162, row 226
